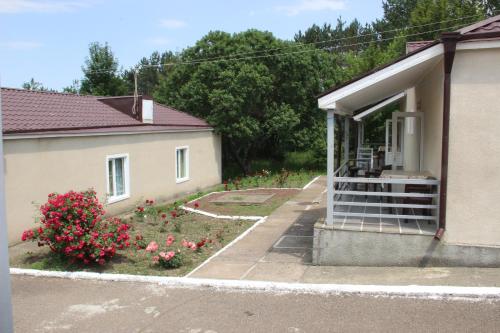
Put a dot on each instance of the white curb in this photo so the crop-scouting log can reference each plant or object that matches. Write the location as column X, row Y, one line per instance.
column 412, row 291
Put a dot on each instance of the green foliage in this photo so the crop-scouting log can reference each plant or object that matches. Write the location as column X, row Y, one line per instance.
column 35, row 86
column 148, row 72
column 261, row 106
column 101, row 73
column 265, row 106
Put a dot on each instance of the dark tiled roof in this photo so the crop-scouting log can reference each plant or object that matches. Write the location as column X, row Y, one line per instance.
column 491, row 24
column 165, row 115
column 25, row 111
column 472, row 32
column 413, row 46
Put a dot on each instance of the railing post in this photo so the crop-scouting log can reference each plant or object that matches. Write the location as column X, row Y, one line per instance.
column 330, row 165
column 346, row 138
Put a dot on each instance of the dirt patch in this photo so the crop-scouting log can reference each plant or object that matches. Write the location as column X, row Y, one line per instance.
column 215, row 203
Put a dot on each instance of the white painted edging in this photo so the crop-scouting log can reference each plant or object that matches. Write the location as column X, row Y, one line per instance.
column 233, row 217
column 414, row 291
column 310, row 183
column 226, row 217
column 246, row 232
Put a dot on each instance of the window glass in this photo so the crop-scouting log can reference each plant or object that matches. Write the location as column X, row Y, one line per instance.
column 181, row 163
column 110, row 178
column 119, row 179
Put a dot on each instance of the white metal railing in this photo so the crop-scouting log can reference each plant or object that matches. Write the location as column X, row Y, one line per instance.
column 347, row 195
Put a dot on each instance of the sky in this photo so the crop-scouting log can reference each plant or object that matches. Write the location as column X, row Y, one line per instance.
column 48, row 39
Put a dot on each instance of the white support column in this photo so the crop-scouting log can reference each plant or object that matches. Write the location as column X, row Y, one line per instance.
column 5, row 293
column 330, row 164
column 346, row 138
column 362, row 133
column 359, row 134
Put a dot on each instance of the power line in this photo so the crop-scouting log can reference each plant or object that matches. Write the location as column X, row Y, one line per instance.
column 232, row 56
column 299, row 44
column 329, row 48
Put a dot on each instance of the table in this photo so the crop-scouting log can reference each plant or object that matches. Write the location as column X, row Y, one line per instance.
column 402, row 174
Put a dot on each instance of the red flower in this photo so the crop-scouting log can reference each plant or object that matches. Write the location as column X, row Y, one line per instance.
column 196, row 205
column 163, row 216
column 173, row 213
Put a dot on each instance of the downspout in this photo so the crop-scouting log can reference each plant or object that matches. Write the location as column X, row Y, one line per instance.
column 449, row 40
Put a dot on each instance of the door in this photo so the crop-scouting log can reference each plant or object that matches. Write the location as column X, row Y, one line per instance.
column 408, row 147
column 394, row 148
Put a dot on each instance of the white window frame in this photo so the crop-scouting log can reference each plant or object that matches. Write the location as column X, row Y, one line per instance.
column 126, row 176
column 186, row 178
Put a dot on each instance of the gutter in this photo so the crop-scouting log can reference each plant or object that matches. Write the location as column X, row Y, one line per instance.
column 22, row 136
column 449, row 41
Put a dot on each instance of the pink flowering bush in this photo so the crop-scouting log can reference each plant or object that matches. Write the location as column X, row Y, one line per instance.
column 72, row 226
column 171, row 257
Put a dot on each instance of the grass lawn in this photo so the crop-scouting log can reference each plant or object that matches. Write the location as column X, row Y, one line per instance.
column 193, row 227
column 279, row 197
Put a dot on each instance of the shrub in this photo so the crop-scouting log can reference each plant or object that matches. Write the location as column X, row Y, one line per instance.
column 282, row 177
column 173, row 258
column 72, row 226
column 148, row 212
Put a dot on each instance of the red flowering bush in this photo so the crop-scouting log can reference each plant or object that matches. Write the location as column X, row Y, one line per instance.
column 72, row 225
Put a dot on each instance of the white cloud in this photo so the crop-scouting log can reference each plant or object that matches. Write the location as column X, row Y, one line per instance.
column 158, row 41
column 311, row 5
column 20, row 45
column 172, row 23
column 44, row 6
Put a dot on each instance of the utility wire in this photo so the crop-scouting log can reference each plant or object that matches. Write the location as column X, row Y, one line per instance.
column 330, row 48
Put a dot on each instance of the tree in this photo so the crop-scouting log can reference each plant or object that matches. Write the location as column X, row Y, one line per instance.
column 101, row 73
column 262, row 106
column 74, row 88
column 35, row 86
column 149, row 71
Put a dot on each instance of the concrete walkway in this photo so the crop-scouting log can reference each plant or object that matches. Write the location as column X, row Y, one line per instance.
column 280, row 250
column 277, row 250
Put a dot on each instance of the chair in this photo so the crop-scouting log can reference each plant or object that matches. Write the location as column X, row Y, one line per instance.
column 414, row 188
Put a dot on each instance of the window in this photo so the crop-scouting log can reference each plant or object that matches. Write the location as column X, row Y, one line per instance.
column 118, row 177
column 181, row 164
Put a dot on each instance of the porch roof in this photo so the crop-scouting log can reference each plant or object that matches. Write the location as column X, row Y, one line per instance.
column 383, row 83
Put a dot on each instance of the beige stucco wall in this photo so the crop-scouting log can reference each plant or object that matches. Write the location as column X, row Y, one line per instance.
column 36, row 167
column 430, row 101
column 473, row 214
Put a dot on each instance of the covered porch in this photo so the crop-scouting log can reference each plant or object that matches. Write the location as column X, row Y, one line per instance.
column 392, row 185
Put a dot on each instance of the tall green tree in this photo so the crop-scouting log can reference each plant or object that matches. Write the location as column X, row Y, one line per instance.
column 149, row 71
column 262, row 103
column 35, row 86
column 101, row 73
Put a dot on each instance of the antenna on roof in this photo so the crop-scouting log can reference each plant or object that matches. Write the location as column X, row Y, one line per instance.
column 136, row 95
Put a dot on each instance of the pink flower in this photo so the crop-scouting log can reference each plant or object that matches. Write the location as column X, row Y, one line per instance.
column 170, row 240
column 156, row 259
column 152, row 247
column 189, row 245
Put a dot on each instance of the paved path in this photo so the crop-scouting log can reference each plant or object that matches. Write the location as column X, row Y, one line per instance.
column 61, row 305
column 280, row 250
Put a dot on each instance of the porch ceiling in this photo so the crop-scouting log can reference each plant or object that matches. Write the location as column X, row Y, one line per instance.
column 383, row 83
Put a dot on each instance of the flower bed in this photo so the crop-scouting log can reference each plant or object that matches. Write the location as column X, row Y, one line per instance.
column 279, row 197
column 163, row 241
